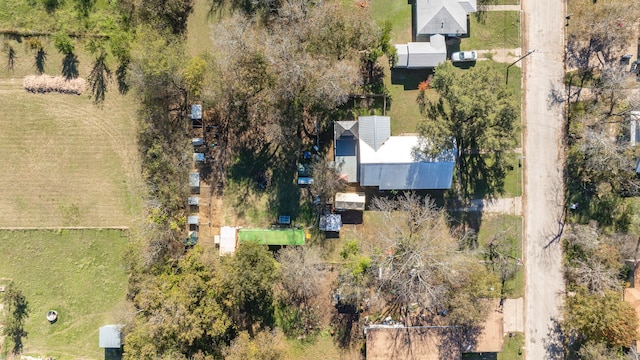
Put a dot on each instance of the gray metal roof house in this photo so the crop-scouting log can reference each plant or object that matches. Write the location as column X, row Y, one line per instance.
column 396, row 162
column 446, row 17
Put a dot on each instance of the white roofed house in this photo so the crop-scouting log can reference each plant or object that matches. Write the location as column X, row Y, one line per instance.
column 417, row 55
column 396, row 162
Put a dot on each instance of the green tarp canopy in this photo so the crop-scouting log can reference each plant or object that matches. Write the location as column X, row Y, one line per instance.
column 272, row 236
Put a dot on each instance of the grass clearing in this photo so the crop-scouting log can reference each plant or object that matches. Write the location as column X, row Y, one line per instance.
column 80, row 274
column 31, row 16
column 511, row 226
column 513, row 347
column 398, row 12
column 198, row 28
column 66, row 161
column 321, row 347
column 493, row 30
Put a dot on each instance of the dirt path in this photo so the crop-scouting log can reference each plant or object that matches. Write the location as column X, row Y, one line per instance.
column 499, row 8
column 501, row 55
column 511, row 206
column 543, row 118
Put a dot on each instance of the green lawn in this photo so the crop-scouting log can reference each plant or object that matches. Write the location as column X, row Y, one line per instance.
column 198, row 31
column 321, row 347
column 493, row 30
column 487, row 184
column 78, row 273
column 511, row 226
column 398, row 12
column 66, row 161
column 513, row 347
column 28, row 16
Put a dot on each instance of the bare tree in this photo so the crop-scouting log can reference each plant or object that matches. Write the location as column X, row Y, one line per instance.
column 595, row 276
column 301, row 275
column 326, row 182
column 418, row 260
column 599, row 31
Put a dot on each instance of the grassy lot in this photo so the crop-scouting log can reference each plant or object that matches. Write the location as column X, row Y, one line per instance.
column 511, row 226
column 66, row 161
column 78, row 273
column 398, row 12
column 493, row 30
column 322, row 347
column 513, row 347
column 488, row 184
column 31, row 16
column 198, row 31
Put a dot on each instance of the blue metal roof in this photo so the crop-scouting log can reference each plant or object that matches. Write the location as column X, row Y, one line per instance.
column 346, row 158
column 414, row 176
column 198, row 157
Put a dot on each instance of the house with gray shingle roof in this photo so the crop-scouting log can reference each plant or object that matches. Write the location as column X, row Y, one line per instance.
column 445, row 17
column 433, row 21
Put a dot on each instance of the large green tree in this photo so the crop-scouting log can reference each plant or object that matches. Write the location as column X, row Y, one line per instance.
column 476, row 114
column 180, row 311
column 249, row 277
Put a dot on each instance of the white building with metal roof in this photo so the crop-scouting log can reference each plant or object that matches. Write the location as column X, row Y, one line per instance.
column 417, row 55
column 397, row 162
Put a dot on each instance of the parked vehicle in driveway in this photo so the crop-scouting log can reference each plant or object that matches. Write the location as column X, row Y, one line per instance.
column 462, row 56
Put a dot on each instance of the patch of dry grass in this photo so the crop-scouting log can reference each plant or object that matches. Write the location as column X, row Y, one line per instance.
column 66, row 162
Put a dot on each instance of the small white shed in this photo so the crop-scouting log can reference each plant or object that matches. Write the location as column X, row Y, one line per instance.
column 228, row 240
column 110, row 337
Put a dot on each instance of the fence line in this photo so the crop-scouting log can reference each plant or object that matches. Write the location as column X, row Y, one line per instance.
column 66, row 228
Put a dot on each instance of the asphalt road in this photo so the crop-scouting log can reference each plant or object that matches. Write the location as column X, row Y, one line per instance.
column 543, row 109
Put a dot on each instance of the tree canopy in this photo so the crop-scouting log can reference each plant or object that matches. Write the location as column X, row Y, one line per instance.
column 179, row 311
column 601, row 318
column 418, row 258
column 477, row 112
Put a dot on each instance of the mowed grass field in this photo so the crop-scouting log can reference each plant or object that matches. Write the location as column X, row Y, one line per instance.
column 80, row 274
column 66, row 161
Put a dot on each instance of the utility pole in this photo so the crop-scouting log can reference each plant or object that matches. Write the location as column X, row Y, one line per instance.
column 515, row 62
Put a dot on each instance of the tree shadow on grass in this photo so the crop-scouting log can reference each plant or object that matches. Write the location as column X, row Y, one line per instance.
column 483, row 175
column 70, row 66
column 271, row 172
column 466, row 225
column 410, row 78
column 41, row 59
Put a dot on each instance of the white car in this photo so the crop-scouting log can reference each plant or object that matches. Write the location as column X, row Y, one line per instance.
column 461, row 56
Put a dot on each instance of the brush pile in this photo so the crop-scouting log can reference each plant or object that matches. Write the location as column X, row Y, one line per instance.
column 42, row 84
